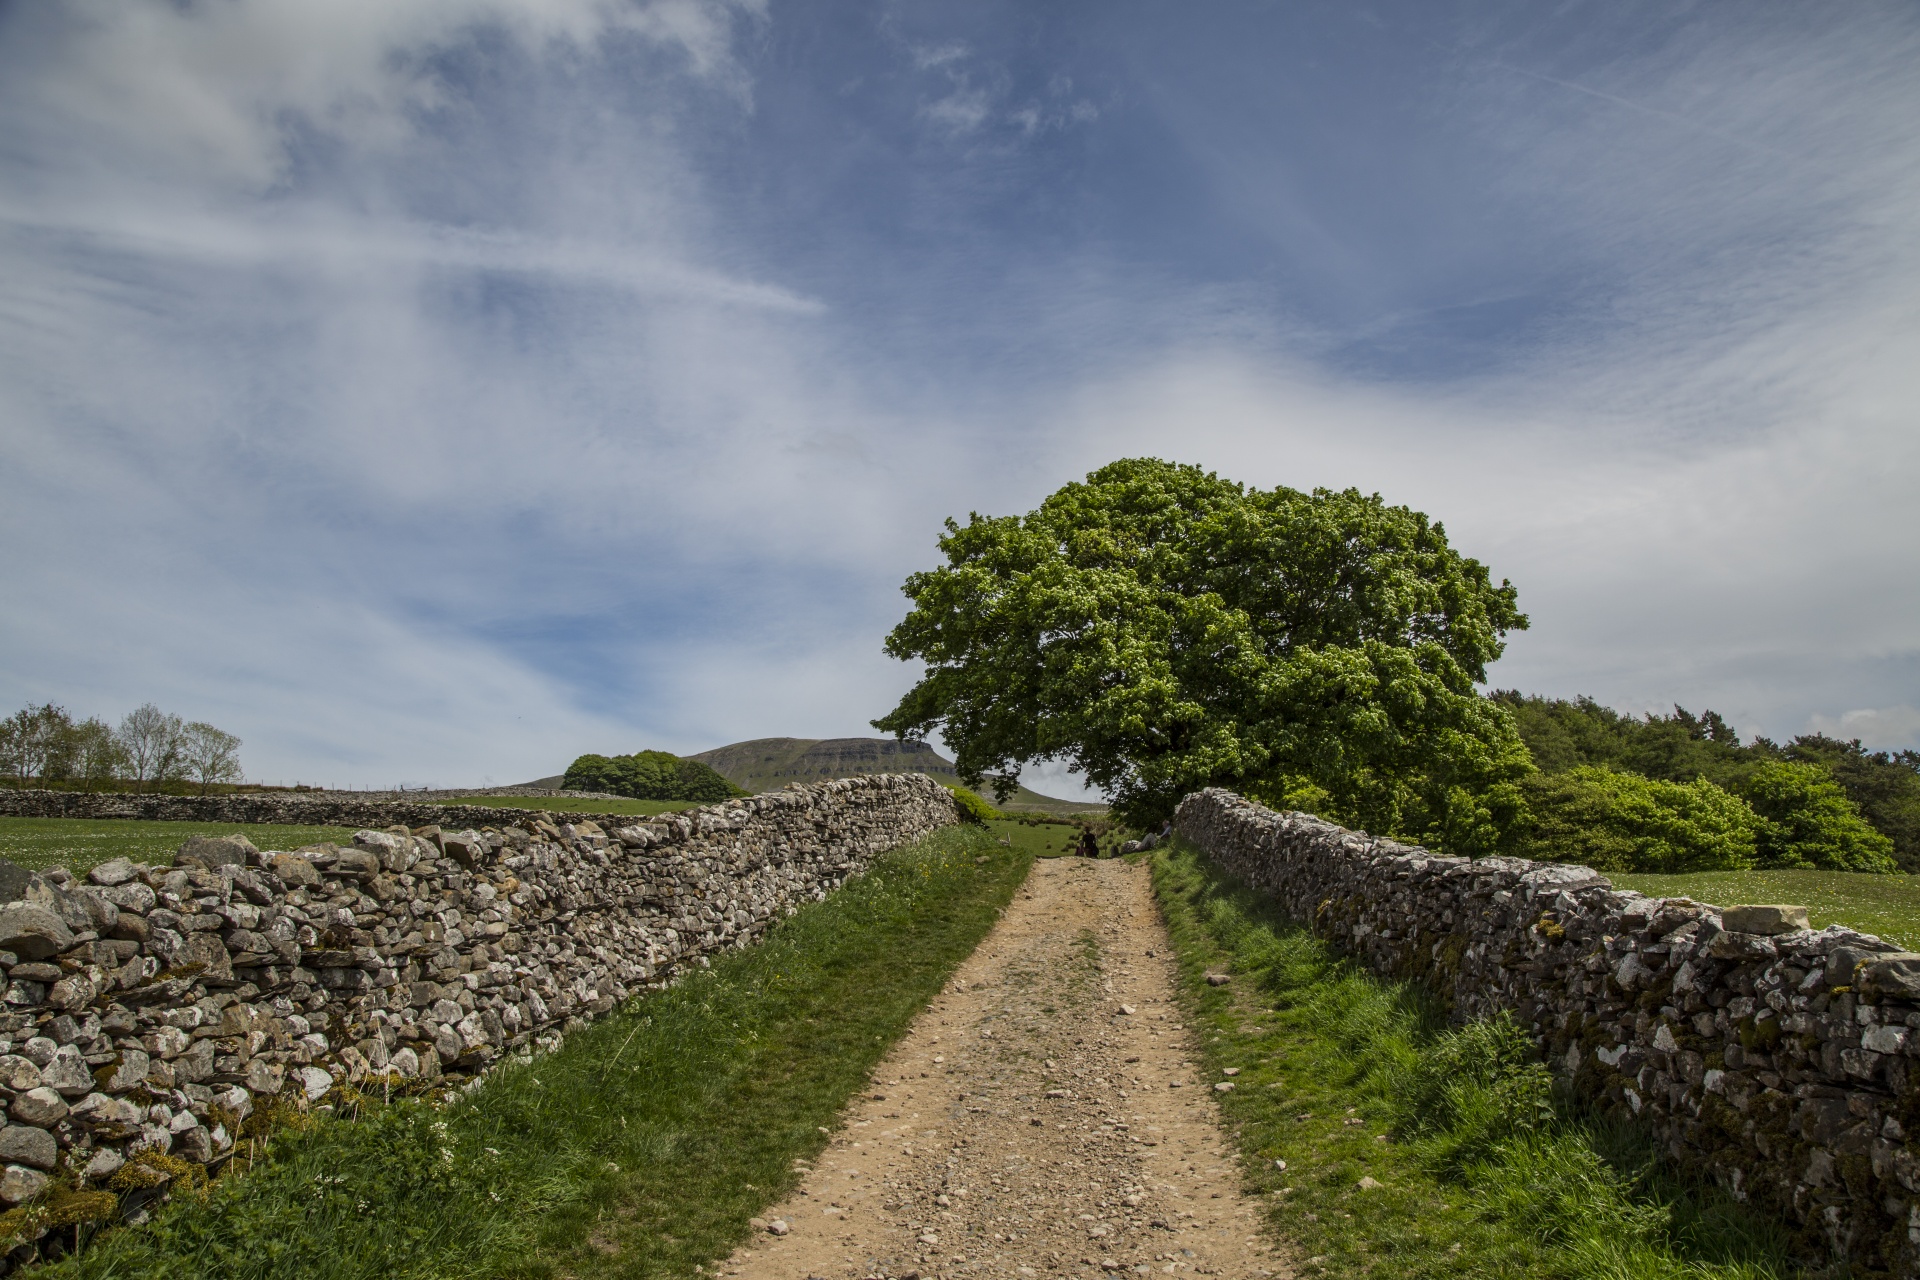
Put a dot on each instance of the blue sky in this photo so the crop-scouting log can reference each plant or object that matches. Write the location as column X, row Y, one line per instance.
column 429, row 393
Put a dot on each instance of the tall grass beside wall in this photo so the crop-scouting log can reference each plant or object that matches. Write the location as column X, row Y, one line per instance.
column 1412, row 1149
column 640, row 1148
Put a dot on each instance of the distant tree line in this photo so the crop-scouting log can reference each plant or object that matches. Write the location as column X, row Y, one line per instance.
column 1684, row 793
column 648, row 775
column 150, row 748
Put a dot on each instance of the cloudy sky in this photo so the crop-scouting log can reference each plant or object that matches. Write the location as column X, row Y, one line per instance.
column 430, row 392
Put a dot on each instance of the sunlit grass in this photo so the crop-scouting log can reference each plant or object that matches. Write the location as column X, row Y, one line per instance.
column 79, row 844
column 1481, row 1170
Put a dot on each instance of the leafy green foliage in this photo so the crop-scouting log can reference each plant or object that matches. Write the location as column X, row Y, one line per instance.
column 1165, row 630
column 1563, row 734
column 972, row 807
column 1884, row 784
column 1479, row 1169
column 648, row 775
column 640, row 1148
column 1854, row 811
column 1614, row 821
column 1806, row 820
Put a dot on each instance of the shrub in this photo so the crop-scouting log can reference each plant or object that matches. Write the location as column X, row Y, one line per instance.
column 1614, row 821
column 972, row 807
column 1806, row 820
column 648, row 775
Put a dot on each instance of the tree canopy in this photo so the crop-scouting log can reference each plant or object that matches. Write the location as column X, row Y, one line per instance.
column 1163, row 630
column 1615, row 821
column 648, row 775
column 1839, row 807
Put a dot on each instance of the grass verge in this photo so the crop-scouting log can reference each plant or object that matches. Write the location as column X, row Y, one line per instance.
column 1412, row 1149
column 1046, row 840
column 573, row 804
column 639, row 1148
column 1885, row 905
column 80, row 844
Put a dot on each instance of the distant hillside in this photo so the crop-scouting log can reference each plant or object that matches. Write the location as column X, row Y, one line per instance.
column 767, row 764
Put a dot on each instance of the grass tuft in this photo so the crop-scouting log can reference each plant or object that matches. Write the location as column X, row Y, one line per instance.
column 81, row 844
column 639, row 1148
column 1476, row 1166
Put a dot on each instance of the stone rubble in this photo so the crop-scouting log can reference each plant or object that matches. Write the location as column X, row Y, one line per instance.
column 146, row 1009
column 1782, row 1062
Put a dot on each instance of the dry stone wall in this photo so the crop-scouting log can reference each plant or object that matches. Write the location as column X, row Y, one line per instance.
column 1783, row 1062
column 148, row 1009
column 291, row 808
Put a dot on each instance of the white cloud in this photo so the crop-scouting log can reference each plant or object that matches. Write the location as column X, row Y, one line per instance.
column 213, row 89
column 1883, row 728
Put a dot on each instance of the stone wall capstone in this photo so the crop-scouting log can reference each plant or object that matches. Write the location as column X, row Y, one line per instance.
column 1782, row 1062
column 148, row 1008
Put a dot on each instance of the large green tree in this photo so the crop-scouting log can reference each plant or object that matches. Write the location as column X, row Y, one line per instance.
column 1163, row 629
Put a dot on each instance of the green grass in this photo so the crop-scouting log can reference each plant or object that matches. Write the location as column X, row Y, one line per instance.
column 1885, row 905
column 1483, row 1171
column 79, row 844
column 1046, row 840
column 571, row 804
column 641, row 1147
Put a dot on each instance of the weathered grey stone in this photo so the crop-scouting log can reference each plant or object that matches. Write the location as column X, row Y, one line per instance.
column 127, row 1071
column 19, row 1184
column 215, row 851
column 14, row 880
column 465, row 847
column 1764, row 919
column 1896, row 976
column 24, row 1144
column 113, row 872
column 195, row 1144
column 67, row 1072
column 265, row 1077
column 31, row 932
column 132, row 896
column 19, row 1073
column 295, row 871
column 105, row 1109
column 40, row 1106
column 363, row 862
column 314, row 1081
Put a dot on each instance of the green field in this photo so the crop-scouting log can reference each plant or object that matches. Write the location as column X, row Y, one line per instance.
column 640, row 1148
column 1046, row 840
column 1885, row 905
column 570, row 804
column 80, row 844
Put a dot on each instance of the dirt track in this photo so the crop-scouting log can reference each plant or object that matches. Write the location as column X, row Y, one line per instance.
column 1041, row 1118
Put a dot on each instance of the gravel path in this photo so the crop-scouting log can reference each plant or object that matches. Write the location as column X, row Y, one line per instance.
column 1040, row 1119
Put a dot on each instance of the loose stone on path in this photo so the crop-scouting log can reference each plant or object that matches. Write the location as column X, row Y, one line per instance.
column 1025, row 1126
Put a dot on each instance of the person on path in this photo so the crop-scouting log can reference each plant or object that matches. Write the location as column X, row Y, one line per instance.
column 1089, row 846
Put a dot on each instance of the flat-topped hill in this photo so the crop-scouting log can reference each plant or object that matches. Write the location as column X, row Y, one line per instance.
column 767, row 764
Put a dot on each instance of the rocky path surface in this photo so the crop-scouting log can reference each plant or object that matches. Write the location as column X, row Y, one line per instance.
column 1042, row 1118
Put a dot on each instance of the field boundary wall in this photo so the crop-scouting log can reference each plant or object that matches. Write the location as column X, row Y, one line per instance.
column 1782, row 1062
column 148, row 1011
